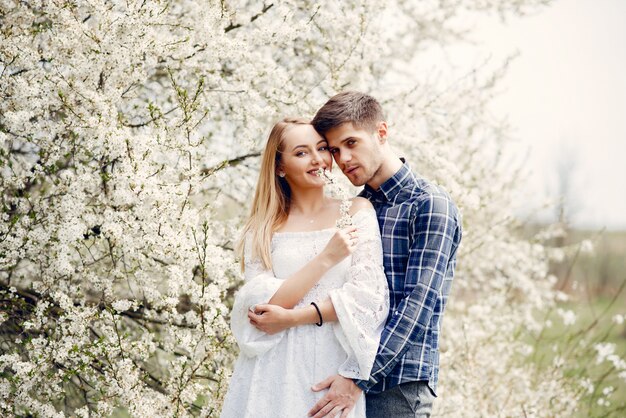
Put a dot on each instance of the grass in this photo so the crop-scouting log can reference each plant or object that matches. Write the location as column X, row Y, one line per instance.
column 576, row 344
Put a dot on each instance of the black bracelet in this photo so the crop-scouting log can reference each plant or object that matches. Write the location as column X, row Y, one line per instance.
column 319, row 313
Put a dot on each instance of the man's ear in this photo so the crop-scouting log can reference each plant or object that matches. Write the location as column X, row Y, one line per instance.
column 381, row 130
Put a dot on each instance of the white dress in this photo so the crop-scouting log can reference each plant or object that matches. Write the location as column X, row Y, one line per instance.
column 274, row 373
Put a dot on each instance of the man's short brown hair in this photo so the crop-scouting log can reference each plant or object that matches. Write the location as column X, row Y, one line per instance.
column 361, row 109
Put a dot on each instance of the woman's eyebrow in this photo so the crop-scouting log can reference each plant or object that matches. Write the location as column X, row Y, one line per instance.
column 307, row 146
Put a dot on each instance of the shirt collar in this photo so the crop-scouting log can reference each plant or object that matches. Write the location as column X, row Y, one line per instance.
column 390, row 188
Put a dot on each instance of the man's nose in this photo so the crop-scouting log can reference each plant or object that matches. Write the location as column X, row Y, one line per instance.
column 344, row 157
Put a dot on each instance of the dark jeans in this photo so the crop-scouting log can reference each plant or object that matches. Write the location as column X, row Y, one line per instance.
column 411, row 399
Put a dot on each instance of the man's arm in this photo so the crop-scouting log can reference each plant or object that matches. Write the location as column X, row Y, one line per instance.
column 433, row 232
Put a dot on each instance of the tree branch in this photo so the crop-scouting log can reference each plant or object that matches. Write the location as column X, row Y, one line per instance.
column 255, row 17
column 206, row 172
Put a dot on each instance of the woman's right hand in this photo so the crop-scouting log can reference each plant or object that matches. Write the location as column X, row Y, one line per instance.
column 341, row 245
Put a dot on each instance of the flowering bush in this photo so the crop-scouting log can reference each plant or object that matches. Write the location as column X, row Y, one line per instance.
column 129, row 131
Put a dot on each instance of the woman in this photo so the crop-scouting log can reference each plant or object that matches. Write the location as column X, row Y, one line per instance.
column 329, row 284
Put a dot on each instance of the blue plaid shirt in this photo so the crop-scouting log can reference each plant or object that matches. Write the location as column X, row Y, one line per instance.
column 420, row 228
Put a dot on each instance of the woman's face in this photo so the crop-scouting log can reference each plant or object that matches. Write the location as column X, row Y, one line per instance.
column 304, row 152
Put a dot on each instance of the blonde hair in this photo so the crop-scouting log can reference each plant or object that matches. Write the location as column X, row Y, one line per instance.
column 272, row 198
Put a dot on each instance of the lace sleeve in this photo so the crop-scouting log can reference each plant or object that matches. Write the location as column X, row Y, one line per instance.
column 259, row 287
column 362, row 303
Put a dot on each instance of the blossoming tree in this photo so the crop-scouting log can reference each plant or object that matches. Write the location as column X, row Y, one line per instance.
column 128, row 137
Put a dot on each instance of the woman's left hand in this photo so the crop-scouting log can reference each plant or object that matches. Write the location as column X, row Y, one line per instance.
column 271, row 319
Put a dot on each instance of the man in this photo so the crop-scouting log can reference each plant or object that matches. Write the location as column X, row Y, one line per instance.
column 421, row 231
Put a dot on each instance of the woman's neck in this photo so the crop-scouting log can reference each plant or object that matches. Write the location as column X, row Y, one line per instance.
column 307, row 202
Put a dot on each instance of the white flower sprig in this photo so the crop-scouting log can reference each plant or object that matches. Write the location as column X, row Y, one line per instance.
column 340, row 191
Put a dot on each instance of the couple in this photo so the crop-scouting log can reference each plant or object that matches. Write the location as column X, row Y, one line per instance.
column 334, row 322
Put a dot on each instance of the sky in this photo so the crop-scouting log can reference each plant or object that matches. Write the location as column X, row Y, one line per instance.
column 565, row 96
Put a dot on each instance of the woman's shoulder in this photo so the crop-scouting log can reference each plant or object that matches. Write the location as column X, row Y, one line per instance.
column 359, row 203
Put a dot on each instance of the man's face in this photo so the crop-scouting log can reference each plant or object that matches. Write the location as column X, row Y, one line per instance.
column 358, row 153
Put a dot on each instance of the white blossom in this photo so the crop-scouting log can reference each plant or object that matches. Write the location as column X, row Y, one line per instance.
column 608, row 390
column 603, row 351
column 568, row 316
column 588, row 385
column 586, row 246
column 122, row 305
